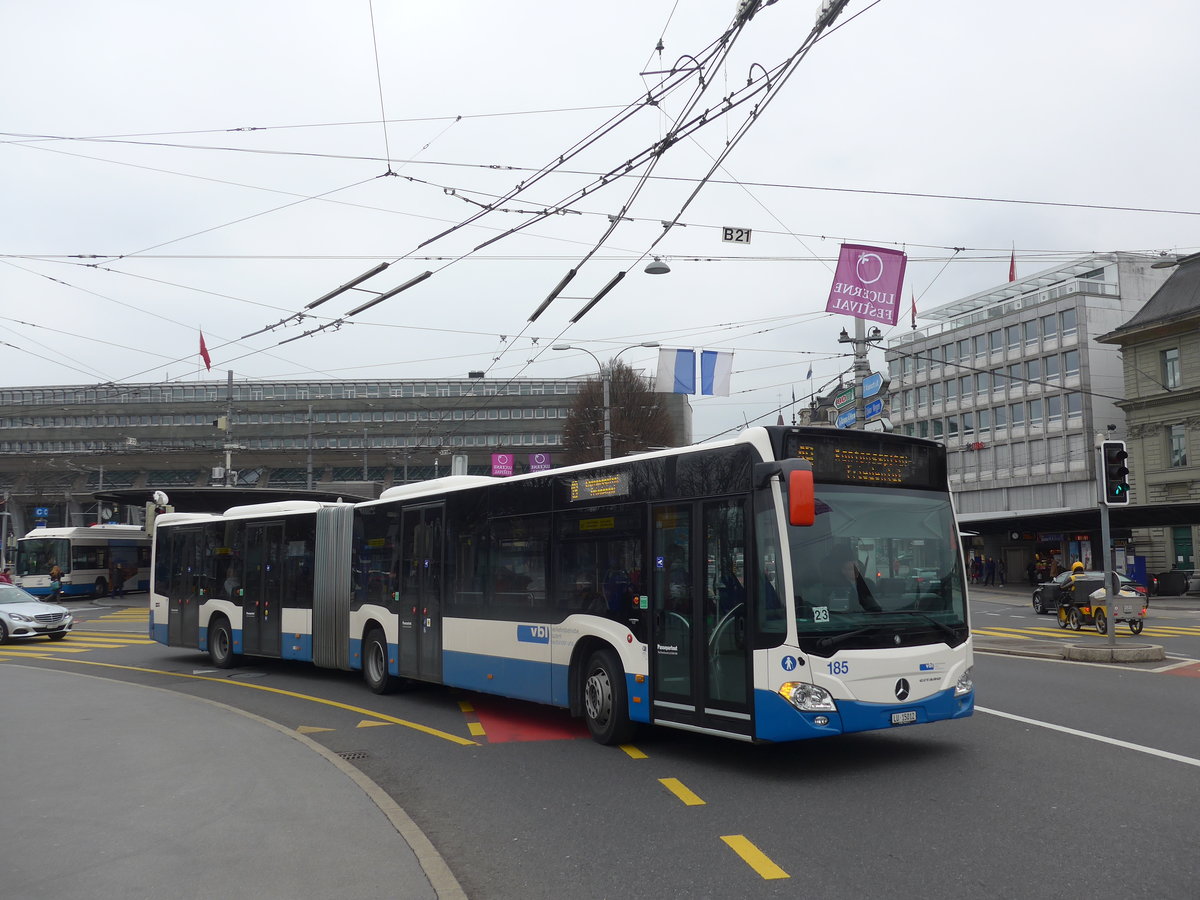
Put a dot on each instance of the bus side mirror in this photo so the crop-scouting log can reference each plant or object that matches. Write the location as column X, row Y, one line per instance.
column 802, row 499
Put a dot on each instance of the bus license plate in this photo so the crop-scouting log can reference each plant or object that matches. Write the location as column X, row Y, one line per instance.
column 904, row 718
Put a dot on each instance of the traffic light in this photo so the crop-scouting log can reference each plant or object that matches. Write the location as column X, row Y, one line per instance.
column 1115, row 477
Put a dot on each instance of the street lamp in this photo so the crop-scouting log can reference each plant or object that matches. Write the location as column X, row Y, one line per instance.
column 606, row 380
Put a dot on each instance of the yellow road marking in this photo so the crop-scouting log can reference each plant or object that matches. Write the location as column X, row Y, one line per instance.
column 476, row 729
column 368, row 723
column 753, row 857
column 675, row 786
column 416, row 726
column 634, row 751
column 311, row 729
column 465, row 706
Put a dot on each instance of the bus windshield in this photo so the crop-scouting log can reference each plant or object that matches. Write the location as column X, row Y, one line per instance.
column 879, row 568
column 35, row 556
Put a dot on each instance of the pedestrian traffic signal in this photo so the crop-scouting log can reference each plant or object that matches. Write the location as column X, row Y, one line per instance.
column 1115, row 475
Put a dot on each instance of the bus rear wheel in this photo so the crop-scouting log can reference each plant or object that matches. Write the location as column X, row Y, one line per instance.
column 605, row 705
column 101, row 588
column 375, row 663
column 220, row 645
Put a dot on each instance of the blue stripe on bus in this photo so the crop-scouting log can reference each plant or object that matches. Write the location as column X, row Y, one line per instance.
column 520, row 678
column 777, row 720
column 296, row 647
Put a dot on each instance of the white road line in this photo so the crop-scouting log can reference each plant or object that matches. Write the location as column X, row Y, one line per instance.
column 1163, row 754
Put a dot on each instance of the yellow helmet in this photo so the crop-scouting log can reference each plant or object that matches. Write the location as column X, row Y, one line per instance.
column 1077, row 566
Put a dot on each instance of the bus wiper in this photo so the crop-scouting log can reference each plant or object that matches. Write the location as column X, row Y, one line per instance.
column 928, row 618
column 836, row 639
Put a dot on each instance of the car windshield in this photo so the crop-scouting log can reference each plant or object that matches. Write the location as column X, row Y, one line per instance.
column 12, row 594
column 878, row 568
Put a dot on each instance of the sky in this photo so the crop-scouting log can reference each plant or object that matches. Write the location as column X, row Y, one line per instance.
column 170, row 168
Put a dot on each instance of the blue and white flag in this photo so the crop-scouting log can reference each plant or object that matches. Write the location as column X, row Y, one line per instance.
column 676, row 372
column 715, row 366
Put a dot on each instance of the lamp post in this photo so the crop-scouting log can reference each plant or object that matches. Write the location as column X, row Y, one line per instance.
column 862, row 342
column 606, row 380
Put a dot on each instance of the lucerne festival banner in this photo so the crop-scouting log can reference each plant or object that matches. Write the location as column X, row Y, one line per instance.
column 867, row 283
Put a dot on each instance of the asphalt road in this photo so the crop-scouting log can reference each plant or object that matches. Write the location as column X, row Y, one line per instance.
column 1070, row 780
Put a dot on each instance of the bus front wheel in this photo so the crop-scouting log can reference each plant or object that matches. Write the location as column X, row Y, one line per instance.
column 605, row 705
column 220, row 645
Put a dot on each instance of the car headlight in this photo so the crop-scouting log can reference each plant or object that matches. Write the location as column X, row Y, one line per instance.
column 807, row 697
column 17, row 617
column 964, row 685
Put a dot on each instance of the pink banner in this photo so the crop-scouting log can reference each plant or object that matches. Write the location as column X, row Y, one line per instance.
column 502, row 464
column 867, row 283
column 539, row 462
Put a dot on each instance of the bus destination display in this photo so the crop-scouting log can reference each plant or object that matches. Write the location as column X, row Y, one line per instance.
column 844, row 460
column 603, row 487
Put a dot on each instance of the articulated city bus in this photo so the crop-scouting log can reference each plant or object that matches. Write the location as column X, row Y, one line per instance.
column 93, row 560
column 787, row 584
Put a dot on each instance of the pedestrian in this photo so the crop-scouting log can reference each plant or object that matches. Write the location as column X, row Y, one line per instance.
column 989, row 572
column 6, row 576
column 55, row 580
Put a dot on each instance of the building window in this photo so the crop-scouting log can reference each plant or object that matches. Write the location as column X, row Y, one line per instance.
column 1012, row 336
column 952, row 426
column 1033, row 370
column 964, row 386
column 935, row 392
column 1031, row 332
column 1035, row 412
column 1070, row 361
column 1170, row 369
column 1017, row 413
column 951, row 389
column 1074, row 406
column 1000, row 415
column 1053, row 409
column 1050, row 368
column 981, row 382
column 968, row 424
column 980, row 344
column 995, row 342
column 937, row 428
column 1178, row 435
column 985, row 420
column 1067, row 317
column 1049, row 326
column 997, row 379
column 948, row 353
column 964, row 349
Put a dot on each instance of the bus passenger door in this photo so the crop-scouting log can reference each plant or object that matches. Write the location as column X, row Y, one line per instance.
column 421, row 561
column 263, row 594
column 186, row 566
column 700, row 657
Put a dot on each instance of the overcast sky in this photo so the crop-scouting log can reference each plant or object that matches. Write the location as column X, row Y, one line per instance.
column 115, row 253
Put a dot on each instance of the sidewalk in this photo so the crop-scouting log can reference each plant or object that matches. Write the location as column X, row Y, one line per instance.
column 116, row 790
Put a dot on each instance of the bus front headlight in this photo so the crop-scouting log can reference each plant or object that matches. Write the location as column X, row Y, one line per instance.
column 807, row 697
column 965, row 684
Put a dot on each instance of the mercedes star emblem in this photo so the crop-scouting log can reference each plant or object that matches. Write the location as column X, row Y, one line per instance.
column 902, row 689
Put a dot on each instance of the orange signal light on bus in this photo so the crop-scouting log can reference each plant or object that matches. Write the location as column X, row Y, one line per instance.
column 802, row 498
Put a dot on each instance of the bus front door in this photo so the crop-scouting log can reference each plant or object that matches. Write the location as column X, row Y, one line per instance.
column 263, row 594
column 700, row 657
column 421, row 560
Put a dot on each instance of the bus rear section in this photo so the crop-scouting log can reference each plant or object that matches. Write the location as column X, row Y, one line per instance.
column 252, row 581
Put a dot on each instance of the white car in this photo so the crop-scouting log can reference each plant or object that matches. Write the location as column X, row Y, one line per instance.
column 23, row 615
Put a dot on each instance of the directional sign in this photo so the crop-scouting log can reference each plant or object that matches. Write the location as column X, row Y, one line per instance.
column 872, row 385
column 847, row 418
column 878, row 425
column 843, row 398
column 873, row 409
